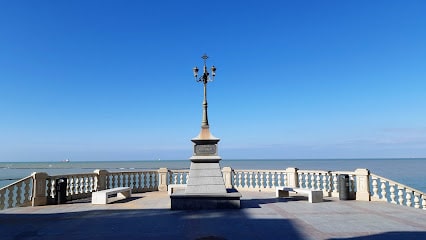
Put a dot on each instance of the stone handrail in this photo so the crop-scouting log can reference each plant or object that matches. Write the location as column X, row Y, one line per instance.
column 138, row 181
column 82, row 185
column 259, row 180
column 17, row 194
column 78, row 186
column 178, row 176
column 384, row 189
column 40, row 188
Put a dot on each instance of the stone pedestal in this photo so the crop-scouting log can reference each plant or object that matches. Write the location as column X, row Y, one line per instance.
column 205, row 187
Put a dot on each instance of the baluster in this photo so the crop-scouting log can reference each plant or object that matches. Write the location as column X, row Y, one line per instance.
column 240, row 177
column 150, row 181
column 416, row 200
column 170, row 177
column 318, row 178
column 352, row 183
column 70, row 182
column 125, row 179
column 324, row 183
column 120, row 180
column 268, row 181
column 78, row 185
column 186, row 177
column 108, row 181
column 384, row 192
column 335, row 183
column 375, row 187
column 51, row 188
column 246, row 179
column 128, row 182
column 307, row 180
column 145, row 179
column 91, row 184
column 254, row 179
column 392, row 194
column 424, row 202
column 153, row 179
column 328, row 182
column 261, row 180
column 2, row 199
column 279, row 179
column 156, row 176
column 10, row 197
column 408, row 198
column 27, row 190
column 86, row 184
column 82, row 184
column 133, row 181
column 400, row 194
column 139, row 181
column 75, row 184
column 285, row 181
column 301, row 180
column 18, row 193
column 175, row 178
column 181, row 178
column 113, row 180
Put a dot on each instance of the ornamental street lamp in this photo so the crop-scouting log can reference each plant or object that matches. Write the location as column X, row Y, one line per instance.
column 205, row 78
column 205, row 188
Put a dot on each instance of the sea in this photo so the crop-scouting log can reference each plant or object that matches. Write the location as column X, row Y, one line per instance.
column 408, row 171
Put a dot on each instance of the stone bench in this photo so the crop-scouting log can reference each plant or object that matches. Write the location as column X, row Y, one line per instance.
column 104, row 196
column 314, row 196
column 172, row 187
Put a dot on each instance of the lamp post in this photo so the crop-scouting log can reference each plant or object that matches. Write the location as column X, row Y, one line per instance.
column 205, row 188
column 205, row 78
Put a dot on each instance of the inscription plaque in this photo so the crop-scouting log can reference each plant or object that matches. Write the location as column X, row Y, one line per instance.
column 205, row 150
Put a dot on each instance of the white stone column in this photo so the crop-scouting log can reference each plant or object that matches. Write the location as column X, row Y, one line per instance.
column 227, row 177
column 39, row 189
column 363, row 184
column 292, row 177
column 162, row 179
column 102, row 179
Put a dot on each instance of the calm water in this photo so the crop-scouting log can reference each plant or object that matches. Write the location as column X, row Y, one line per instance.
column 410, row 172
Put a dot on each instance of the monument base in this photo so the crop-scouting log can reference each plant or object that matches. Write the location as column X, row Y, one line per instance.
column 183, row 201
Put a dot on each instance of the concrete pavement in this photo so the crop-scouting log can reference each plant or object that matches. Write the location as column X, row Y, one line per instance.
column 262, row 216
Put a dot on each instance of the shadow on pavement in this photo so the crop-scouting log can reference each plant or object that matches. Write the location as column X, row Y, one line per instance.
column 145, row 224
column 391, row 236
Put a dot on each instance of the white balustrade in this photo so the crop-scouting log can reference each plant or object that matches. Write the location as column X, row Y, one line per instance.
column 396, row 193
column 138, row 181
column 316, row 179
column 17, row 194
column 258, row 180
column 178, row 176
column 82, row 185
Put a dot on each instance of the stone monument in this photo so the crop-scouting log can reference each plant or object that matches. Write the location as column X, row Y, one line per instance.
column 205, row 187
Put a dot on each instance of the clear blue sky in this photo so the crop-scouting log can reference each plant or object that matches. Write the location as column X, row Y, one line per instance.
column 112, row 80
